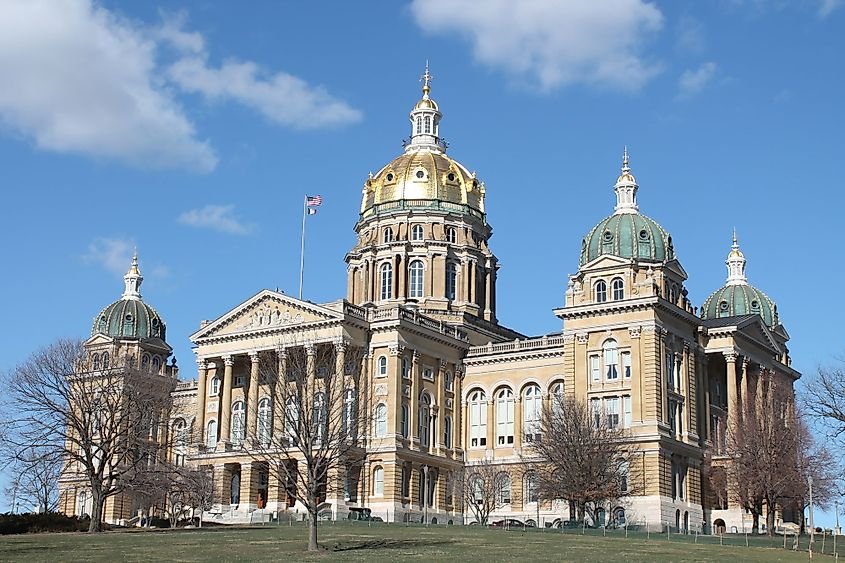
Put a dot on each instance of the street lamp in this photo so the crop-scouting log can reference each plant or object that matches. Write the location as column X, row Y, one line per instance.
column 812, row 526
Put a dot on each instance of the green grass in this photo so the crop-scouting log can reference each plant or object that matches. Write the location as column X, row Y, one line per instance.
column 394, row 542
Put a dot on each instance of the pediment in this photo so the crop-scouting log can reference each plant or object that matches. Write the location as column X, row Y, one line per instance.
column 267, row 310
column 99, row 339
column 605, row 261
column 675, row 266
column 754, row 329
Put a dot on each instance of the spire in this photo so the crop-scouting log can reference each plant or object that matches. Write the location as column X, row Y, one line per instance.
column 133, row 279
column 425, row 120
column 626, row 188
column 736, row 264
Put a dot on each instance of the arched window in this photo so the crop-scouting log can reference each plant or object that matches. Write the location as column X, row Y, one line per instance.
column 448, row 381
column 235, row 489
column 451, row 235
column 601, row 291
column 145, row 362
column 477, row 419
column 532, row 408
column 292, row 421
column 556, row 396
column 387, row 236
column 264, row 422
column 320, row 419
column 382, row 366
column 211, row 434
column 350, row 412
column 238, row 419
column 427, row 124
column 386, row 281
column 619, row 516
column 503, row 489
column 425, row 419
column 611, row 359
column 406, row 367
column 380, row 424
column 95, row 362
column 447, row 432
column 156, row 364
column 417, row 232
column 214, row 386
column 618, row 289
column 378, row 481
column 530, row 487
column 419, row 125
column 416, row 282
column 504, row 417
column 104, row 360
column 451, row 280
column 180, row 441
column 406, row 420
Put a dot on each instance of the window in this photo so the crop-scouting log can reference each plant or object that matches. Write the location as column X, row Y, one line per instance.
column 417, row 232
column 425, row 419
column 611, row 359
column 451, row 234
column 145, row 362
column 319, row 415
column 292, row 421
column 478, row 419
column 386, row 281
column 104, row 360
column 350, row 412
column 180, row 441
column 238, row 419
column 428, row 373
column 382, row 366
column 619, row 516
column 406, row 368
column 504, row 417
column 447, row 432
column 239, row 381
column 214, row 387
column 378, row 481
column 95, row 362
column 595, row 368
column 451, row 280
column 595, row 409
column 477, row 490
column 556, row 396
column 419, row 125
column 428, row 124
column 264, row 427
column 611, row 411
column 626, row 410
column 406, row 482
column 626, row 365
column 406, row 420
column 618, row 287
column 416, row 278
column 503, row 489
column 211, row 434
column 601, row 291
column 531, row 410
column 672, row 419
column 156, row 364
column 381, row 421
column 530, row 487
column 448, row 381
column 623, row 476
column 387, row 236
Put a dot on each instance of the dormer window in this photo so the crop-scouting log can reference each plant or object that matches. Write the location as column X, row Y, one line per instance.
column 451, row 235
column 618, row 289
column 420, row 174
column 451, row 176
column 417, row 232
column 388, row 235
column 601, row 291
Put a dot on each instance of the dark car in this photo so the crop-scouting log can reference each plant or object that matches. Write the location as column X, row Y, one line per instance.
column 508, row 523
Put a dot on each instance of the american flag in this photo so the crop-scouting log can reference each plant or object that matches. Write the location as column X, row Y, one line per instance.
column 313, row 200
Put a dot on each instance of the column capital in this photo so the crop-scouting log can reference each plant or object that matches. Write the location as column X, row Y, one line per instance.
column 310, row 349
column 202, row 363
column 253, row 356
column 415, row 357
column 730, row 356
column 281, row 351
column 228, row 360
column 340, row 344
column 443, row 364
column 396, row 349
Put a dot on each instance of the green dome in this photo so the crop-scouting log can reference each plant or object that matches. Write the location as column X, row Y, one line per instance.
column 740, row 299
column 628, row 235
column 129, row 318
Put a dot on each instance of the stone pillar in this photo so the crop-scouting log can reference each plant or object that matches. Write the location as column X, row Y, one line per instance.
column 279, row 394
column 252, row 399
column 733, row 402
column 748, row 388
column 491, row 423
column 459, row 408
column 414, row 401
column 221, row 483
column 517, row 420
column 249, row 486
column 202, row 393
column 440, row 422
column 402, row 276
column 226, row 402
column 395, row 384
column 488, row 290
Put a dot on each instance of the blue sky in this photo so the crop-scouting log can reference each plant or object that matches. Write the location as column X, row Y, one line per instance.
column 192, row 130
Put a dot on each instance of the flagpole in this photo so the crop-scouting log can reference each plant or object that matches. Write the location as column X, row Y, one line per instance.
column 302, row 245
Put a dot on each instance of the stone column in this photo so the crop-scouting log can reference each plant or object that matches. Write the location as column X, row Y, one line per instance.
column 414, row 401
column 202, row 393
column 440, row 423
column 488, row 289
column 226, row 402
column 748, row 388
column 459, row 408
column 491, row 423
column 278, row 395
column 517, row 421
column 395, row 384
column 221, row 484
column 402, row 275
column 733, row 403
column 310, row 371
column 252, row 400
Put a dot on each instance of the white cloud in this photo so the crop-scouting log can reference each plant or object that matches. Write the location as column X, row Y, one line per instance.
column 827, row 7
column 216, row 217
column 78, row 79
column 693, row 81
column 552, row 43
column 113, row 254
column 690, row 35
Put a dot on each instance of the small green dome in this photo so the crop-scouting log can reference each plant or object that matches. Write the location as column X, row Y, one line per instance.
column 740, row 299
column 129, row 318
column 628, row 235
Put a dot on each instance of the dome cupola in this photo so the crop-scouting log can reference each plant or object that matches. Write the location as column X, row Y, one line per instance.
column 129, row 316
column 737, row 297
column 627, row 233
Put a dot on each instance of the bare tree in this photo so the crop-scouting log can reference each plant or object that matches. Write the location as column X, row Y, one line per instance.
column 198, row 483
column 35, row 478
column 484, row 487
column 103, row 423
column 582, row 456
column 824, row 399
column 313, row 442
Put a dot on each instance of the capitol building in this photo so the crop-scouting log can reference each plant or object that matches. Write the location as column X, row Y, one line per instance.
column 449, row 385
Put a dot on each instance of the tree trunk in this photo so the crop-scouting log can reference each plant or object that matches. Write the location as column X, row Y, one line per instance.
column 755, row 523
column 96, row 512
column 312, row 530
column 770, row 521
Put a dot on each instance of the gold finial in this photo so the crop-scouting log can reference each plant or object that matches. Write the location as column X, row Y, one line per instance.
column 625, row 160
column 734, row 240
column 426, row 80
column 133, row 268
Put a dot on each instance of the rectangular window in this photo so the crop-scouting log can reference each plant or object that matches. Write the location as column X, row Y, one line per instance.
column 504, row 422
column 239, row 381
column 626, row 364
column 478, row 424
column 672, row 421
column 626, row 409
column 595, row 369
column 428, row 373
column 595, row 409
column 611, row 361
column 623, row 476
column 611, row 410
column 680, row 418
column 669, row 367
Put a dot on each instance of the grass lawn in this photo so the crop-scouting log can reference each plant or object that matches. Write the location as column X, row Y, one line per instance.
column 358, row 542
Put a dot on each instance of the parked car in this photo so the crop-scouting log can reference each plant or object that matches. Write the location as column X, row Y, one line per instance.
column 508, row 523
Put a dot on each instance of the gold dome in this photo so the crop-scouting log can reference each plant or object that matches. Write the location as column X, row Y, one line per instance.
column 427, row 103
column 427, row 176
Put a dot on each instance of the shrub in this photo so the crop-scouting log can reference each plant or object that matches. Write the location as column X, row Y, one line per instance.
column 42, row 522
